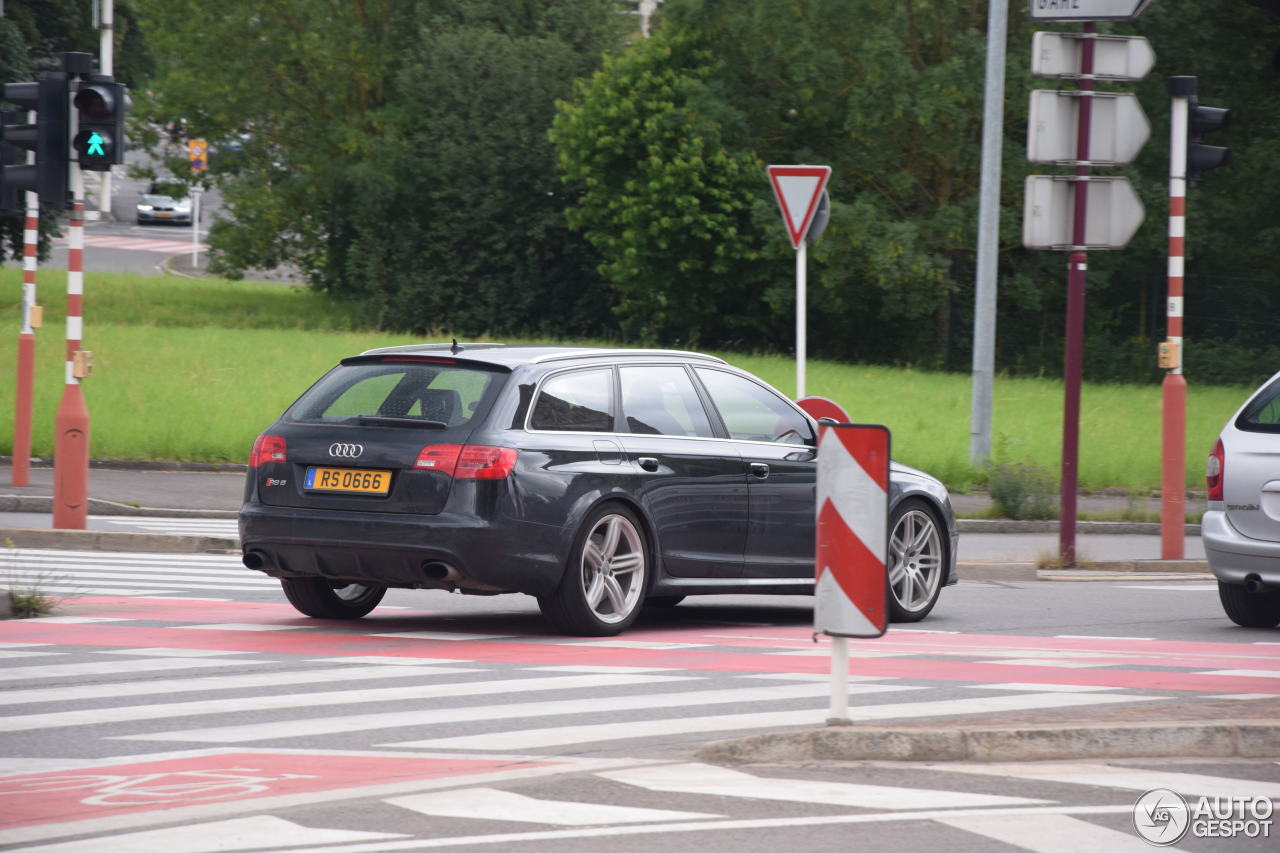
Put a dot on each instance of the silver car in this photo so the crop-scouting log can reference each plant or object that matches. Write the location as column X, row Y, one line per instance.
column 1241, row 530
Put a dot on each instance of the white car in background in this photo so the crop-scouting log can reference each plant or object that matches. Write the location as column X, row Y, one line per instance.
column 1241, row 530
column 164, row 203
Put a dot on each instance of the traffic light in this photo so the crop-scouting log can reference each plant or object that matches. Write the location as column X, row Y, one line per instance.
column 47, row 137
column 10, row 204
column 1201, row 120
column 100, row 104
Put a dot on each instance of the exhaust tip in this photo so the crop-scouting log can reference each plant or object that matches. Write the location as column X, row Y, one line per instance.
column 254, row 560
column 1253, row 584
column 437, row 571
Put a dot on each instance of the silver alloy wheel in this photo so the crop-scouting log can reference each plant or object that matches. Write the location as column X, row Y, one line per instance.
column 613, row 568
column 915, row 560
column 350, row 591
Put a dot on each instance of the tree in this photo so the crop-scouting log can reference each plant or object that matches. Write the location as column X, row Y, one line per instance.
column 395, row 151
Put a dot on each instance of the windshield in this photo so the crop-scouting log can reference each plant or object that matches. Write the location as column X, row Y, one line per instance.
column 439, row 394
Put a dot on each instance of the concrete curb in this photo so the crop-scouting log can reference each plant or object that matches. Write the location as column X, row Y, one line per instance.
column 116, row 540
column 1224, row 739
column 25, row 503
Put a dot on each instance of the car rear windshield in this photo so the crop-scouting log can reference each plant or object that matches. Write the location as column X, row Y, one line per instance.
column 436, row 394
column 1263, row 413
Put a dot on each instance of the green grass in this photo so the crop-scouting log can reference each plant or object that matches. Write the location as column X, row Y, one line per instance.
column 193, row 370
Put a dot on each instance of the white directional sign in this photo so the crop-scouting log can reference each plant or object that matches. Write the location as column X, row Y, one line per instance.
column 1127, row 58
column 798, row 190
column 1048, row 214
column 1118, row 128
column 1086, row 10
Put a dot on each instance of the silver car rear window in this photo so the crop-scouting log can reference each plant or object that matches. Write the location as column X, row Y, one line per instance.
column 1263, row 412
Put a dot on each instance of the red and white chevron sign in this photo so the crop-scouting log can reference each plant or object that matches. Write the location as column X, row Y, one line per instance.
column 852, row 578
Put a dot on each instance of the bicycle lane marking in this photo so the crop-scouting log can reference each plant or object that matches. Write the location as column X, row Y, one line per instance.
column 130, row 788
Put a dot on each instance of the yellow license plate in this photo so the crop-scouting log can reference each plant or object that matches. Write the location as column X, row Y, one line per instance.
column 353, row 480
column 164, row 215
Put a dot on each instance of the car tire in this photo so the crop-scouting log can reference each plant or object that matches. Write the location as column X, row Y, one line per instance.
column 605, row 578
column 331, row 600
column 917, row 560
column 1249, row 609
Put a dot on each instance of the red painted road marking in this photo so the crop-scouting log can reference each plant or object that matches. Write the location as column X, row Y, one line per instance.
column 140, row 244
column 128, row 788
column 937, row 657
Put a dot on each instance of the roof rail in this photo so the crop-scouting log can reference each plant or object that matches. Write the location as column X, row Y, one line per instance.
column 614, row 353
column 431, row 348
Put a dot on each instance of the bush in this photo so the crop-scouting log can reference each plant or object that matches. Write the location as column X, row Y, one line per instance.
column 1022, row 490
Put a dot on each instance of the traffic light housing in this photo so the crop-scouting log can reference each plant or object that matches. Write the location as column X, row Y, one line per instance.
column 10, row 204
column 1201, row 120
column 100, row 105
column 47, row 137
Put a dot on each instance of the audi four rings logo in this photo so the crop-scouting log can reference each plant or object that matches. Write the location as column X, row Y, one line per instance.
column 346, row 451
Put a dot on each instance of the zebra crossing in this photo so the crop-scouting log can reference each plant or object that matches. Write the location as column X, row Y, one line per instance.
column 107, row 573
column 1040, row 807
column 226, row 528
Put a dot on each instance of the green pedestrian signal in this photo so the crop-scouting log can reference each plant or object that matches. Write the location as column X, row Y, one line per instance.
column 101, row 105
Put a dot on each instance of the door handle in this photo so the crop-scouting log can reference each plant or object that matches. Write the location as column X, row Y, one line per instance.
column 759, row 470
column 648, row 463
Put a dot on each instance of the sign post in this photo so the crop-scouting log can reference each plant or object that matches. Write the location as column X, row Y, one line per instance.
column 798, row 190
column 851, row 576
column 1082, row 128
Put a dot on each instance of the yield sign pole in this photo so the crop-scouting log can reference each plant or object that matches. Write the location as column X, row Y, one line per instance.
column 798, row 190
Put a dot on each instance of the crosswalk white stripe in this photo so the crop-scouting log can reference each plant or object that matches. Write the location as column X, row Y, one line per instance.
column 432, row 691
column 164, row 687
column 526, row 739
column 520, row 711
column 177, row 576
column 111, row 667
column 261, row 832
column 1048, row 833
column 27, row 654
column 140, row 571
column 78, row 589
column 710, row 780
column 1107, row 776
column 127, row 556
column 97, row 586
column 1244, row 673
column 160, row 652
column 496, row 804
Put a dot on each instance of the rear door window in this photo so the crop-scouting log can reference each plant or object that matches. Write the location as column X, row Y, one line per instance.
column 661, row 400
column 578, row 401
column 751, row 412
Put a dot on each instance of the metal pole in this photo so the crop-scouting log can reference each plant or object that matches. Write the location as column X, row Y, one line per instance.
column 839, row 712
column 801, row 317
column 26, row 343
column 1173, row 390
column 195, row 228
column 106, row 65
column 1077, row 264
column 71, row 443
column 984, row 312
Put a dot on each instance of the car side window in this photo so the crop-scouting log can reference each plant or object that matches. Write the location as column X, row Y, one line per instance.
column 1263, row 414
column 661, row 400
column 752, row 412
column 580, row 401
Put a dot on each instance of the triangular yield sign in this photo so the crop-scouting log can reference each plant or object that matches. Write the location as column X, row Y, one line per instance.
column 798, row 189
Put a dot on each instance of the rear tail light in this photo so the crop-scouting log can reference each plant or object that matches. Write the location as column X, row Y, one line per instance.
column 1214, row 469
column 267, row 448
column 467, row 462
